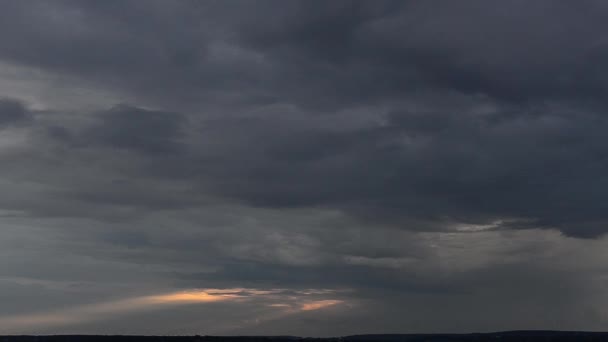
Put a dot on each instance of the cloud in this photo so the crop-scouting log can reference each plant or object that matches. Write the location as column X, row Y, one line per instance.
column 319, row 304
column 12, row 112
column 131, row 128
column 424, row 169
column 419, row 154
column 100, row 311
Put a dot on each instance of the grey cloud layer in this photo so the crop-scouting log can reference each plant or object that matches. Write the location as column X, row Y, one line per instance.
column 12, row 112
column 423, row 168
column 412, row 152
column 473, row 124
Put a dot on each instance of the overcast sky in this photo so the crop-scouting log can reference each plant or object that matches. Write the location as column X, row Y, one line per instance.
column 303, row 167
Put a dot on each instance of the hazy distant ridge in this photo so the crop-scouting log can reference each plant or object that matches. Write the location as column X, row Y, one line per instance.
column 508, row 336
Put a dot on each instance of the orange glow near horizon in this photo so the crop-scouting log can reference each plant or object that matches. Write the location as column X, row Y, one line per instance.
column 284, row 301
column 192, row 297
column 319, row 304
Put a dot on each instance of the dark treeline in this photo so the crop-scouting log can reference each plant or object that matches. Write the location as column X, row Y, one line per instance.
column 515, row 336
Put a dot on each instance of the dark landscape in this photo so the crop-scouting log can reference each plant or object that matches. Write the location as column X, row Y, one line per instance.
column 507, row 336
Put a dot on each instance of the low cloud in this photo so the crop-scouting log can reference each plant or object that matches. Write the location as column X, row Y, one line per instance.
column 291, row 302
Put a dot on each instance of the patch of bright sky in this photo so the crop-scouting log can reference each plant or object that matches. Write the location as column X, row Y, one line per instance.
column 285, row 302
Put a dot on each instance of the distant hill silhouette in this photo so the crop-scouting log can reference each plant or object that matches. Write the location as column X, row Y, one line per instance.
column 507, row 336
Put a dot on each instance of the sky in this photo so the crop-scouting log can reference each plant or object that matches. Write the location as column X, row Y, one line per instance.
column 314, row 168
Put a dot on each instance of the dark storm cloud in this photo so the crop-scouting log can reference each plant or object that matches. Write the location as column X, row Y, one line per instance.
column 12, row 112
column 518, row 51
column 313, row 53
column 410, row 153
column 461, row 164
column 485, row 112
column 318, row 54
column 131, row 128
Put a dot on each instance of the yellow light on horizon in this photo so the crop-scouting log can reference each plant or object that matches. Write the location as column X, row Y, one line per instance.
column 319, row 304
column 283, row 303
column 192, row 297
